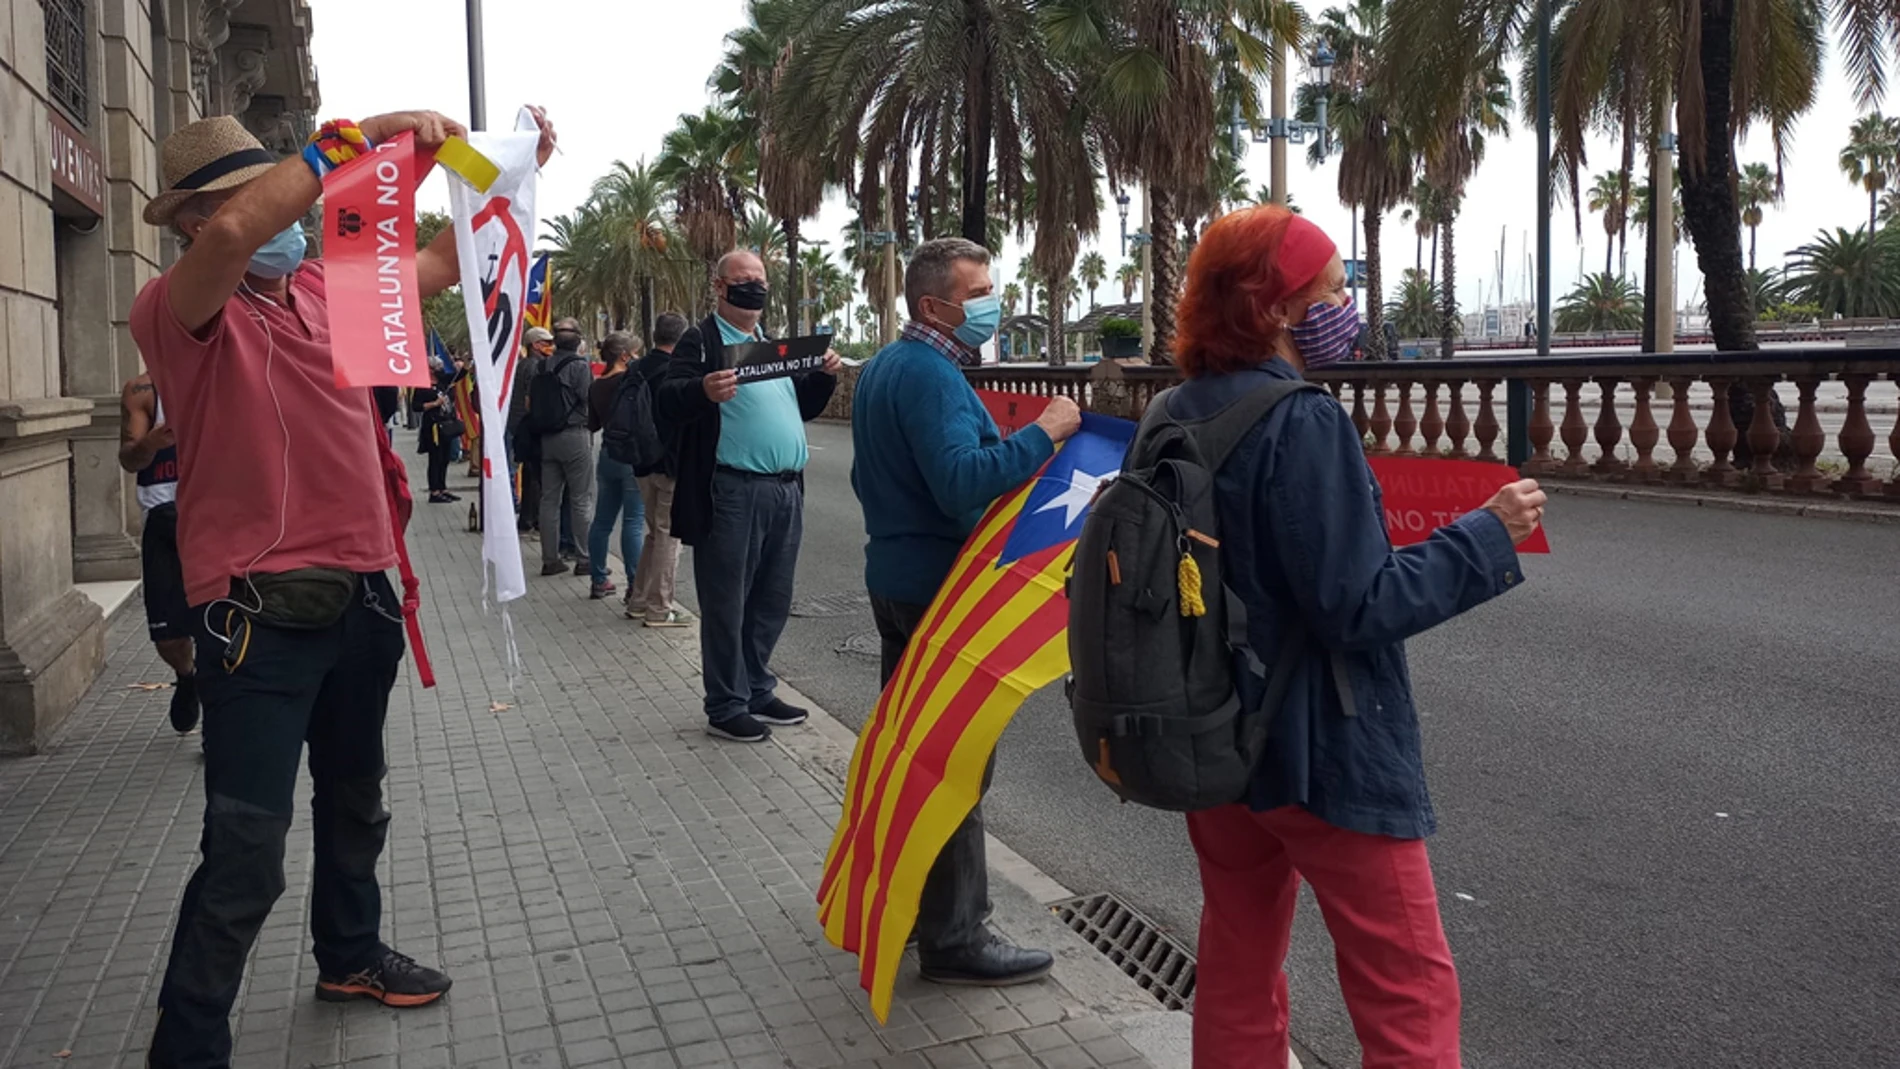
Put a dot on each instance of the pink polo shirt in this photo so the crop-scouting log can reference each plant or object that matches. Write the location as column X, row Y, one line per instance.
column 257, row 494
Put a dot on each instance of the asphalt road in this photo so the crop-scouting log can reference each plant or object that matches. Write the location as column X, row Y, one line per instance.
column 1667, row 772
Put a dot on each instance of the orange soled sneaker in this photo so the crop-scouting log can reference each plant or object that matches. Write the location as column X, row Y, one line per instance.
column 393, row 980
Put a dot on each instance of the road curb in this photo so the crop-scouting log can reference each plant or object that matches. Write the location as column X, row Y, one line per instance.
column 1735, row 502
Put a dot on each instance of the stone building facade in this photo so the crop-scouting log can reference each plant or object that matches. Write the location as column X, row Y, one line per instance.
column 88, row 89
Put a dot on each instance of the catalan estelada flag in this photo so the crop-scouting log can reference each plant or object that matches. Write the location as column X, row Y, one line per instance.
column 539, row 311
column 997, row 631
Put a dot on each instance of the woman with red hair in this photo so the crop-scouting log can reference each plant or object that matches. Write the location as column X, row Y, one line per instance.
column 1339, row 795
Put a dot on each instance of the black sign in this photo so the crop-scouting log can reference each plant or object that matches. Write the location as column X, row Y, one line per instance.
column 761, row 360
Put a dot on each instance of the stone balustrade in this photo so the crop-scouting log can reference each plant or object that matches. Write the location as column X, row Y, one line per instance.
column 1643, row 419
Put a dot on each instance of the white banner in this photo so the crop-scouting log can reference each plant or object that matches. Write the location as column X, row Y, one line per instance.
column 494, row 238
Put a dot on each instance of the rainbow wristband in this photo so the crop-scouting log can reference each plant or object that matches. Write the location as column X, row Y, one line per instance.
column 334, row 144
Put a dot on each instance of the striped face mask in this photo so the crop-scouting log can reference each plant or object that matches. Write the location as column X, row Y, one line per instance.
column 1327, row 334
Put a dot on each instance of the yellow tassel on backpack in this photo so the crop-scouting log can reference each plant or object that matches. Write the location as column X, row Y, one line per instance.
column 1189, row 580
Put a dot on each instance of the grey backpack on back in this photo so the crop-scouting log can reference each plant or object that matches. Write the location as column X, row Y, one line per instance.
column 1152, row 688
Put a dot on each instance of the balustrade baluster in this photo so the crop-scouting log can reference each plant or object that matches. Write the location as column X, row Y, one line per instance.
column 1763, row 436
column 1808, row 440
column 1644, row 434
column 1407, row 423
column 1459, row 425
column 1541, row 431
column 1893, row 450
column 1487, row 421
column 1721, row 436
column 1575, row 430
column 1359, row 418
column 1609, row 430
column 1381, row 420
column 1682, row 433
column 1857, row 439
column 1433, row 425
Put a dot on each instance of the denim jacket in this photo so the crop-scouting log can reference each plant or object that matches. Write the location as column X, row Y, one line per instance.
column 1303, row 533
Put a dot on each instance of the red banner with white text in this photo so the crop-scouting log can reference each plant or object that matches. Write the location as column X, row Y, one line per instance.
column 369, row 255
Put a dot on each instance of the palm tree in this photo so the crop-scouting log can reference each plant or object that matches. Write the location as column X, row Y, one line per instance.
column 1027, row 275
column 1609, row 194
column 1849, row 274
column 1092, row 271
column 1423, row 216
column 1872, row 149
column 1766, row 289
column 865, row 316
column 1450, row 161
column 1129, row 275
column 1376, row 160
column 613, row 252
column 1415, row 310
column 1756, row 190
column 1012, row 296
column 706, row 162
column 1601, row 303
column 1641, row 214
column 1151, row 73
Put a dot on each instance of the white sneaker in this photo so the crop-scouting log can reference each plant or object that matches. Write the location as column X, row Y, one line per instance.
column 673, row 618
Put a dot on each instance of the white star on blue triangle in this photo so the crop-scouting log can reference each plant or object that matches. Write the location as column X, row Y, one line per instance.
column 1060, row 500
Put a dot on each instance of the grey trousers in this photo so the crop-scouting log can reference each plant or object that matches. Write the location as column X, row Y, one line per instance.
column 567, row 462
column 956, row 894
column 743, row 571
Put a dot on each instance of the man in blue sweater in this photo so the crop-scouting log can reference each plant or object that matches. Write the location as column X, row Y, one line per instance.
column 929, row 462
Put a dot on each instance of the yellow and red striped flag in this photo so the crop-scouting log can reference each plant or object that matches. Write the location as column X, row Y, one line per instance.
column 539, row 309
column 997, row 631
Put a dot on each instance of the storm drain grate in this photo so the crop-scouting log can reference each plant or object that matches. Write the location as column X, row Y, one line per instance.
column 863, row 644
column 843, row 603
column 1154, row 959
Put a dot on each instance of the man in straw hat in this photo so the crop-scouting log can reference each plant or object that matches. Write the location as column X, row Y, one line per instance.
column 284, row 534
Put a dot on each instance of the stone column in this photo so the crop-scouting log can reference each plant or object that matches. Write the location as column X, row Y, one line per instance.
column 51, row 636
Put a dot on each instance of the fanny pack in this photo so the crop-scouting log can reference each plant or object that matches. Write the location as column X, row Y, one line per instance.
column 302, row 599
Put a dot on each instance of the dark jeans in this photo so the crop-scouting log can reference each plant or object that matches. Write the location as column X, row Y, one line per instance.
column 616, row 498
column 743, row 570
column 956, row 894
column 266, row 692
column 439, row 469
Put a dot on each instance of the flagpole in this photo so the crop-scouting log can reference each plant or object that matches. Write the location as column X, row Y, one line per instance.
column 478, row 120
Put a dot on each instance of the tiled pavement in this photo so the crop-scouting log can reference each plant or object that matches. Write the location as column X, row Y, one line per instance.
column 607, row 885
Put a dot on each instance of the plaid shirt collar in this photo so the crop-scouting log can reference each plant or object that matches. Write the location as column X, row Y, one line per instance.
column 959, row 353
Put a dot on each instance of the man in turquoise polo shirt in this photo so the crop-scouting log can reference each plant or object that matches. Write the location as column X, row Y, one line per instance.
column 740, row 498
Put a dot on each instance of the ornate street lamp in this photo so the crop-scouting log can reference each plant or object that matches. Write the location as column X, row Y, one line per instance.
column 1319, row 67
column 1121, row 205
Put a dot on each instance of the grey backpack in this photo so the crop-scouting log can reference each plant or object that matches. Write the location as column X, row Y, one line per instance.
column 1155, row 636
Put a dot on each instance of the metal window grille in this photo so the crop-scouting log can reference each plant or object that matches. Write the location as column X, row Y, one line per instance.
column 66, row 56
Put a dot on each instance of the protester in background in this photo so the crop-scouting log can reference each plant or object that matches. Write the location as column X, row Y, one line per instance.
column 388, row 402
column 929, row 462
column 149, row 449
column 439, row 431
column 615, row 494
column 650, row 592
column 1339, row 796
column 566, row 447
column 740, row 500
column 284, row 533
column 524, row 448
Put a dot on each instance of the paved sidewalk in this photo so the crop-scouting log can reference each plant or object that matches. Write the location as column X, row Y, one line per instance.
column 607, row 885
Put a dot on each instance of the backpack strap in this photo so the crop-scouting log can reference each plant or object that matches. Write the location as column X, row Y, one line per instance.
column 1218, row 435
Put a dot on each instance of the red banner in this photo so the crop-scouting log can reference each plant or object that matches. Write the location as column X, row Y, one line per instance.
column 1012, row 411
column 1423, row 494
column 369, row 239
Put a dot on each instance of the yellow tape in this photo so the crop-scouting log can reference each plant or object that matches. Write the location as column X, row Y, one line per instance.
column 460, row 158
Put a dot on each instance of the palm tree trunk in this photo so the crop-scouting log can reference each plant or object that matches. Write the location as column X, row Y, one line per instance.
column 1164, row 248
column 979, row 112
column 1751, row 248
column 1418, row 251
column 1375, row 292
column 1708, row 201
column 1872, row 202
column 646, row 308
column 1607, row 250
column 792, row 287
column 1058, row 338
column 1435, row 228
column 1448, row 298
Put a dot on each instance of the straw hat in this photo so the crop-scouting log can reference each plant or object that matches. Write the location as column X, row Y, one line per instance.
column 206, row 156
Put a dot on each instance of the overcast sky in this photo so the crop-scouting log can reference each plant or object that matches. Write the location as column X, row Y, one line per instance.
column 616, row 75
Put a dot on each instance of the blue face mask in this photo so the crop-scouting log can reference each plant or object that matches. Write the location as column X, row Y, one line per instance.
column 980, row 318
column 281, row 254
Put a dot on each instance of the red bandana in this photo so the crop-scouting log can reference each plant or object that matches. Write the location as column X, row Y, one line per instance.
column 1304, row 253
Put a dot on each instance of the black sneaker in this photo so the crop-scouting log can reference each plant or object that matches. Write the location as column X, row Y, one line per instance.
column 741, row 728
column 184, row 705
column 780, row 715
column 554, row 567
column 582, row 566
column 393, row 980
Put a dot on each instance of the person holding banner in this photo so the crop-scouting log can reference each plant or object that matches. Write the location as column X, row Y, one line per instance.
column 284, row 533
column 1339, row 795
column 929, row 462
column 739, row 456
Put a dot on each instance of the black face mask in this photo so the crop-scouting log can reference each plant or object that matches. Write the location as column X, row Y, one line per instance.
column 749, row 296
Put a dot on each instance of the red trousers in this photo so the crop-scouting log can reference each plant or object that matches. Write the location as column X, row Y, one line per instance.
column 1380, row 907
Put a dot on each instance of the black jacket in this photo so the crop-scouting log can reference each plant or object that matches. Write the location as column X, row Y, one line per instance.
column 689, row 422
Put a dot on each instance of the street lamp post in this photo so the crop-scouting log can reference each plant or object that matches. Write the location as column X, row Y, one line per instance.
column 1121, row 205
column 1281, row 131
